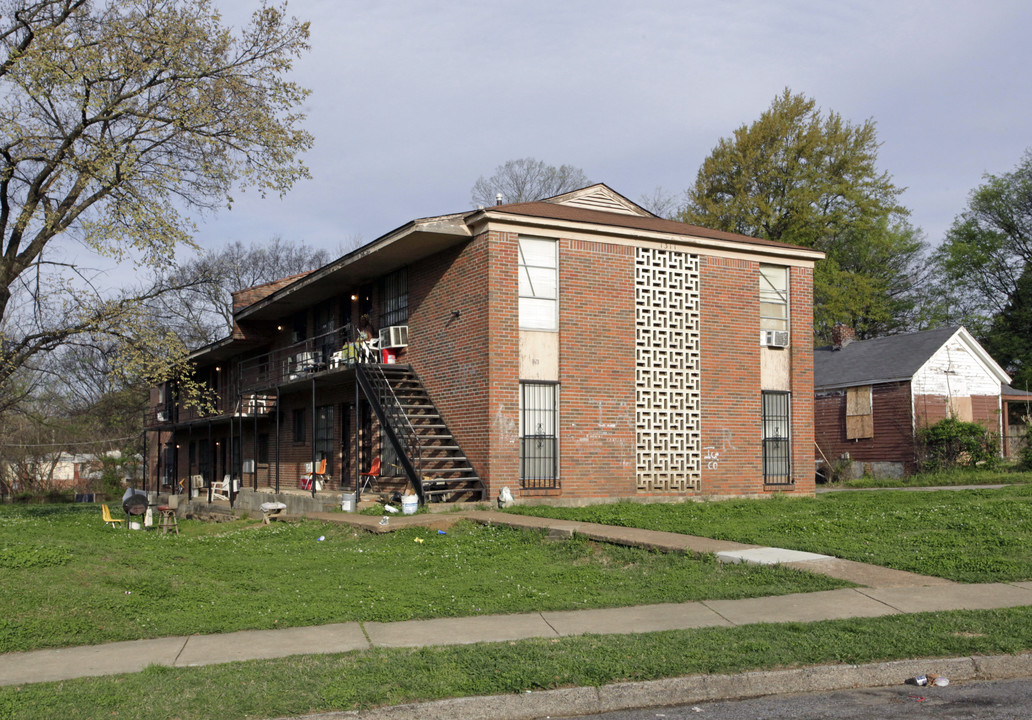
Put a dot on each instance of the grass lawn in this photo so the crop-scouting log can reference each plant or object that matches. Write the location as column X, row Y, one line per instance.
column 70, row 580
column 963, row 535
column 348, row 681
column 946, row 478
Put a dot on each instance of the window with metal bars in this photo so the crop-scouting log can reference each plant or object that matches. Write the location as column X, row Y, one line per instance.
column 395, row 299
column 539, row 441
column 777, row 466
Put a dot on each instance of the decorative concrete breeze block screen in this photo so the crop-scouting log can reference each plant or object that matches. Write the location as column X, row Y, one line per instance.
column 666, row 292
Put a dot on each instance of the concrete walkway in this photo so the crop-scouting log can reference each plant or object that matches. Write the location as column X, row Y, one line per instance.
column 885, row 592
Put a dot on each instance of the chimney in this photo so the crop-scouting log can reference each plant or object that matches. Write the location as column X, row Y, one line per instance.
column 498, row 199
column 842, row 335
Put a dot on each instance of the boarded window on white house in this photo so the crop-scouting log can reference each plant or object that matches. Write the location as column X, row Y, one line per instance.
column 859, row 413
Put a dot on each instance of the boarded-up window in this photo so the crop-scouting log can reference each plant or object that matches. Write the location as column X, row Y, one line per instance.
column 960, row 408
column 859, row 413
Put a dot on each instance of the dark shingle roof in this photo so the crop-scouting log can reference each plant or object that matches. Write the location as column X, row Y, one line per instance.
column 884, row 359
column 1010, row 391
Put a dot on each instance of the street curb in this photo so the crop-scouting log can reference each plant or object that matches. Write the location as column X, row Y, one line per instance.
column 694, row 689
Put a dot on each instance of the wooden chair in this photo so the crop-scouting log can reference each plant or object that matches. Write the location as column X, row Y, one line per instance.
column 105, row 512
column 372, row 476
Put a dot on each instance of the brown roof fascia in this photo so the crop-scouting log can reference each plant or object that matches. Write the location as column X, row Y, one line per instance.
column 565, row 213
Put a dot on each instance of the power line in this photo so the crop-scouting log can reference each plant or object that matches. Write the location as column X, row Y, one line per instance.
column 67, row 444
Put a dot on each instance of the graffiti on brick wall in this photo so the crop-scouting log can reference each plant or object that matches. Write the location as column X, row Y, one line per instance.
column 611, row 426
column 713, row 454
column 506, row 427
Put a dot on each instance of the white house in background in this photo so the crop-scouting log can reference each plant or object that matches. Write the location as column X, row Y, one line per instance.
column 873, row 396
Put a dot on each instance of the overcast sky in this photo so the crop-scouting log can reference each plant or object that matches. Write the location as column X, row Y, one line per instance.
column 413, row 101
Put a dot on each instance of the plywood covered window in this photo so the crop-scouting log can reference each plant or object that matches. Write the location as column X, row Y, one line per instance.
column 859, row 413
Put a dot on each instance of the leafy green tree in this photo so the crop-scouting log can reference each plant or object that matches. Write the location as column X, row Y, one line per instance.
column 985, row 265
column 800, row 176
column 117, row 120
column 1009, row 337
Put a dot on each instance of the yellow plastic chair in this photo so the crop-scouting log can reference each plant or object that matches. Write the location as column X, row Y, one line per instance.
column 112, row 521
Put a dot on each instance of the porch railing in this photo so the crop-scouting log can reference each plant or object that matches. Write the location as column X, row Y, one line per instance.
column 334, row 350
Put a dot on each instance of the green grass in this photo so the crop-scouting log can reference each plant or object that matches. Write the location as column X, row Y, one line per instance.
column 963, row 535
column 945, row 478
column 324, row 683
column 70, row 580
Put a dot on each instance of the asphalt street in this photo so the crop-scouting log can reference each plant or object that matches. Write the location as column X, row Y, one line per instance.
column 1000, row 700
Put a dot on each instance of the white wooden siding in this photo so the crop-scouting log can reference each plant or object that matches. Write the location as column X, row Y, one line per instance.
column 954, row 371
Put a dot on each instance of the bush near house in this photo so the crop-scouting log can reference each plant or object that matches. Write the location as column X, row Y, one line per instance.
column 952, row 443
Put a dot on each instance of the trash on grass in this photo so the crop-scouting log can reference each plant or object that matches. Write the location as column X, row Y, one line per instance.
column 390, row 509
column 419, row 540
column 384, row 520
column 320, row 538
column 441, row 532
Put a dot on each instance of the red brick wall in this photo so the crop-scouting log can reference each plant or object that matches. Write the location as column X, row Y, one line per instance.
column 893, row 429
column 503, row 362
column 452, row 354
column 731, row 390
column 801, row 315
column 596, row 369
column 730, row 355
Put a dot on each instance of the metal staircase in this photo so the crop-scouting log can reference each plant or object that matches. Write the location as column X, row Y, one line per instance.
column 426, row 449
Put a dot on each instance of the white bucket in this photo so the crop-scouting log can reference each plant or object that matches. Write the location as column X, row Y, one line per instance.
column 347, row 502
column 409, row 504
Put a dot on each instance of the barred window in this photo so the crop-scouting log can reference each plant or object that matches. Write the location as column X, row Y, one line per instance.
column 395, row 299
column 539, row 441
column 777, row 466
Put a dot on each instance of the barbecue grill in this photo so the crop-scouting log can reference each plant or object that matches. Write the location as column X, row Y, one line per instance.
column 134, row 502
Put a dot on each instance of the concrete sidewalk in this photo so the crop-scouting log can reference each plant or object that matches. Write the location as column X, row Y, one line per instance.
column 885, row 592
column 133, row 656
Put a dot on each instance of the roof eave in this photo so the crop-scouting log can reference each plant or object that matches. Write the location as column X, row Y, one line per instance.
column 479, row 218
column 441, row 226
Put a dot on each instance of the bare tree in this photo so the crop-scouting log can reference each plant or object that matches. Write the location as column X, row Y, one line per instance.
column 526, row 180
column 200, row 305
column 660, row 202
column 116, row 119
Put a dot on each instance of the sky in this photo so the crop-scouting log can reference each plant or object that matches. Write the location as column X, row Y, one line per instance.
column 412, row 101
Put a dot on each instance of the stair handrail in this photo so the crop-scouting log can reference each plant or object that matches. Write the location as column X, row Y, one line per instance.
column 394, row 420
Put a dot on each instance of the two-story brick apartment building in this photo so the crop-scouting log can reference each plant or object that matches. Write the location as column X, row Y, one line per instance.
column 572, row 349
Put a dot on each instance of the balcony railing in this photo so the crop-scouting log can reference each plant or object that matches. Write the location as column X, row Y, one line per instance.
column 334, row 350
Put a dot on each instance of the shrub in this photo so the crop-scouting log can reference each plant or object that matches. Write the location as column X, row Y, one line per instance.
column 1025, row 454
column 952, row 443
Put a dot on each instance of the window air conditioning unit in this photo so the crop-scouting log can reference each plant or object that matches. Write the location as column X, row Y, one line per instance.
column 162, row 416
column 395, row 336
column 774, row 338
